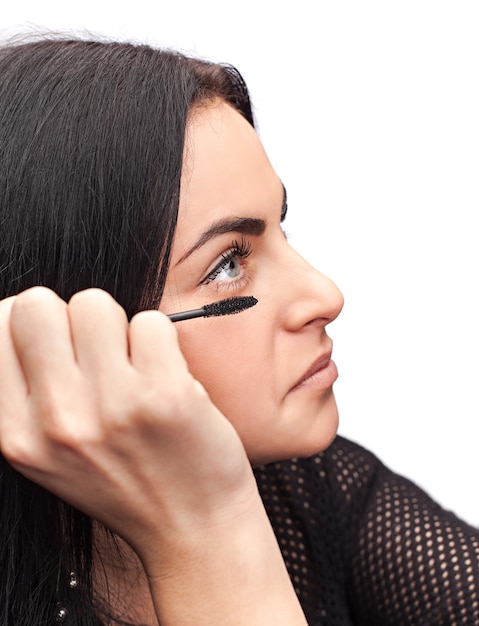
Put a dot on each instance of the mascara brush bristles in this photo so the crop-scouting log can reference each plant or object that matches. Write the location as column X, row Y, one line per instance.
column 229, row 306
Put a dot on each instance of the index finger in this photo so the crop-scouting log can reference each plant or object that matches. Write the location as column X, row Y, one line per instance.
column 41, row 337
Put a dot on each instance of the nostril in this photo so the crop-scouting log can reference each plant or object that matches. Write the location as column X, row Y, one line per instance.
column 318, row 321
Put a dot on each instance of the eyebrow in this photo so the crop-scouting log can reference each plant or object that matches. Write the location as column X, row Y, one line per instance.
column 244, row 225
column 284, row 206
column 252, row 226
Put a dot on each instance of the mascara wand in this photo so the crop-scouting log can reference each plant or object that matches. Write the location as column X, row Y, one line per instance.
column 215, row 309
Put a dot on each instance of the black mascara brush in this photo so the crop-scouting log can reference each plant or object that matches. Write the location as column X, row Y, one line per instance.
column 215, row 309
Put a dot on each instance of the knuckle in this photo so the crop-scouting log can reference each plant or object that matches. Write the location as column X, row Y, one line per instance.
column 147, row 319
column 5, row 307
column 119, row 411
column 5, row 313
column 53, row 421
column 33, row 297
column 18, row 450
column 62, row 422
column 93, row 295
column 144, row 405
column 177, row 405
column 97, row 300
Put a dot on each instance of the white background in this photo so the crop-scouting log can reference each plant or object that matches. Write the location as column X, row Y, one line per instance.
column 370, row 113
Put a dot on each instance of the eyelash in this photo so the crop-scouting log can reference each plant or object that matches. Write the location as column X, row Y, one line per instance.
column 240, row 249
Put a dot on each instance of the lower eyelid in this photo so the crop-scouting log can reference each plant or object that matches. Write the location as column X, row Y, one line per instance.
column 230, row 285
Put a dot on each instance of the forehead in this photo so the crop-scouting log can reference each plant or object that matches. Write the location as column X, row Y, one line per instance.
column 225, row 169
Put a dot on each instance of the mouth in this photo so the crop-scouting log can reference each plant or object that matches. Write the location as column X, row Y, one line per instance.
column 320, row 375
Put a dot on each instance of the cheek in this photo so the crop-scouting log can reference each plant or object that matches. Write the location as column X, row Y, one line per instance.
column 233, row 367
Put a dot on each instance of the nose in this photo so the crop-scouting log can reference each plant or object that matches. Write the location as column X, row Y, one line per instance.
column 309, row 297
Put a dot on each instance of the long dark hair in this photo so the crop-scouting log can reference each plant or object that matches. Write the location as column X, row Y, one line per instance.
column 91, row 148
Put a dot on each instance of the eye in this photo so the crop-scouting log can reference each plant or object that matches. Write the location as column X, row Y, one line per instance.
column 230, row 266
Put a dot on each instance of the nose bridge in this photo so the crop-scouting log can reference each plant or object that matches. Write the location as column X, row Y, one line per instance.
column 311, row 295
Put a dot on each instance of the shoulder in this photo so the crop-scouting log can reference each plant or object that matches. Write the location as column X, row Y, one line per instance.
column 342, row 487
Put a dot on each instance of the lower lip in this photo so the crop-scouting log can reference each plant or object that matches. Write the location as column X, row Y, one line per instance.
column 320, row 380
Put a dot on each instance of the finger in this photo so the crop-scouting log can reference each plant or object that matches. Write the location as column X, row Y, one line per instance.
column 154, row 344
column 17, row 429
column 13, row 387
column 41, row 336
column 99, row 328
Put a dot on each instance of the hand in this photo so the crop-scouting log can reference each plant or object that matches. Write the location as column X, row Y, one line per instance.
column 105, row 415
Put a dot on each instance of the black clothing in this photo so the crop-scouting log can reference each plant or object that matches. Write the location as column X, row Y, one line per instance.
column 366, row 547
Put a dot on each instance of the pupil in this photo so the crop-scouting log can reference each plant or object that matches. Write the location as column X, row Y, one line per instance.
column 233, row 267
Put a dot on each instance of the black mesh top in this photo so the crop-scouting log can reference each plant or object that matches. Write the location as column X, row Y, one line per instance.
column 365, row 546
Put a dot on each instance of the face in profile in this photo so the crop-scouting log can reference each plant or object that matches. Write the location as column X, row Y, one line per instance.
column 268, row 369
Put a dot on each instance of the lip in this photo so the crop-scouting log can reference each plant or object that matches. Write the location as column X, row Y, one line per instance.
column 321, row 374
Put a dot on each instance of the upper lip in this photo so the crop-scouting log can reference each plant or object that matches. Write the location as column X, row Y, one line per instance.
column 317, row 365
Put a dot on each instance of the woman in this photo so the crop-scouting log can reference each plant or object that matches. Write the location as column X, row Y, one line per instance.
column 138, row 173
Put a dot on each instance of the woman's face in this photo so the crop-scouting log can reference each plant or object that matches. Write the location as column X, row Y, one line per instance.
column 268, row 369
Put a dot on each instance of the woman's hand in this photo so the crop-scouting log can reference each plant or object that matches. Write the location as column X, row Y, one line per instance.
column 105, row 414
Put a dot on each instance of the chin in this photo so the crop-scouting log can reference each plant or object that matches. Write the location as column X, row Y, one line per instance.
column 321, row 432
column 326, row 438
column 317, row 441
column 303, row 442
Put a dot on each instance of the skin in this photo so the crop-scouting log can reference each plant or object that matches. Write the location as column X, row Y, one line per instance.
column 151, row 427
column 249, row 362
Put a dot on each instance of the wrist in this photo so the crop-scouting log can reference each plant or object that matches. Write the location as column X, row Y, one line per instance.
column 233, row 565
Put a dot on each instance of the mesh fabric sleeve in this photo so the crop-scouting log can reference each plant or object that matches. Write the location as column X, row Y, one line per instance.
column 365, row 546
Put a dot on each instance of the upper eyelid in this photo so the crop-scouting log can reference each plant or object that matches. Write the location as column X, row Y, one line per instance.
column 225, row 258
column 240, row 249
